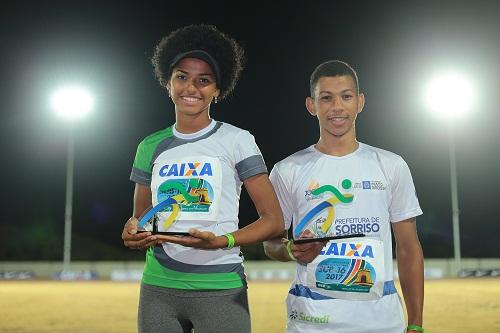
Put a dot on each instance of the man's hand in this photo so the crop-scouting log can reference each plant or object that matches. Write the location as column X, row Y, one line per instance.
column 134, row 240
column 306, row 252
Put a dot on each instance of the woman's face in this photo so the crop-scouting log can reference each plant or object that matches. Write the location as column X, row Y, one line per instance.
column 192, row 86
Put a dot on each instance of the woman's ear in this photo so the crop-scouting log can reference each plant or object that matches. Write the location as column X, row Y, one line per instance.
column 216, row 96
column 168, row 88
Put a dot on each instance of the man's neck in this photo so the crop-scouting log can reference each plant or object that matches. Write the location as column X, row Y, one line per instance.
column 337, row 146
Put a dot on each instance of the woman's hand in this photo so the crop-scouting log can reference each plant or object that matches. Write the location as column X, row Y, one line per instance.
column 197, row 239
column 134, row 240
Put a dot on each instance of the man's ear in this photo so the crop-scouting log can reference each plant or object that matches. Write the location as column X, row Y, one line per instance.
column 310, row 106
column 361, row 103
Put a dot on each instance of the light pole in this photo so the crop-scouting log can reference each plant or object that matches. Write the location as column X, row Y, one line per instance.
column 450, row 97
column 454, row 200
column 72, row 103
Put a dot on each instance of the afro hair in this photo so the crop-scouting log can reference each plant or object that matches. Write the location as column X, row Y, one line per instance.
column 228, row 54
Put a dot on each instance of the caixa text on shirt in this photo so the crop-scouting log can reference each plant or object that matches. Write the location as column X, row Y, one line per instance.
column 189, row 169
column 348, row 250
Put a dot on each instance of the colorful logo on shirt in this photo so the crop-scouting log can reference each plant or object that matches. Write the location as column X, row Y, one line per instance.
column 189, row 169
column 348, row 250
column 343, row 274
column 188, row 194
column 330, row 203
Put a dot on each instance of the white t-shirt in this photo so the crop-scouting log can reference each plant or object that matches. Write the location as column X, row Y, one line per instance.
column 201, row 174
column 362, row 192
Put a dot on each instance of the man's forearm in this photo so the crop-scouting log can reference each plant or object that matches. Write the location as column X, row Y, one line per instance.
column 411, row 276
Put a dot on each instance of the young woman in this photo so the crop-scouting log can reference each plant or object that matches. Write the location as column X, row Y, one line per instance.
column 198, row 164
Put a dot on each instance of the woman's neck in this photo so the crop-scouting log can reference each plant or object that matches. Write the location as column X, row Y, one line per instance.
column 188, row 124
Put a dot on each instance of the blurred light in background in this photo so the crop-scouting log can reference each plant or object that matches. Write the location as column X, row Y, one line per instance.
column 72, row 102
column 450, row 95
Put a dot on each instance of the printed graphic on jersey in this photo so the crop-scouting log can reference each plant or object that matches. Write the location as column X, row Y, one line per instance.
column 309, row 318
column 185, row 194
column 342, row 274
column 352, row 270
column 353, row 225
column 370, row 185
column 191, row 169
column 315, row 220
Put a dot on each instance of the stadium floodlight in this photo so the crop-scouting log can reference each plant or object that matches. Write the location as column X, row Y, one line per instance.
column 450, row 96
column 72, row 103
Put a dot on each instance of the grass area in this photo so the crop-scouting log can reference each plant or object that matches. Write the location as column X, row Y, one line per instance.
column 465, row 305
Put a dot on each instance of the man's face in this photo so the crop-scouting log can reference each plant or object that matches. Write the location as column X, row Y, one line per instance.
column 336, row 103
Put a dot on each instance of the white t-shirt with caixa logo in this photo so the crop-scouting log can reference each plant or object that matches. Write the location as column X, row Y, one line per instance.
column 198, row 179
column 362, row 192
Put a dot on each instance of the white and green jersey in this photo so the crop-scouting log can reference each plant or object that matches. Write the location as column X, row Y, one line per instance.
column 201, row 175
column 362, row 192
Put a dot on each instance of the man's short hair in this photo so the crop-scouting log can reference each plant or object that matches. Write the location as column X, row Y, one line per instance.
column 332, row 68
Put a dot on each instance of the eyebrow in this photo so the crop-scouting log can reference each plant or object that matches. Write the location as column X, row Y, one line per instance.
column 343, row 91
column 201, row 74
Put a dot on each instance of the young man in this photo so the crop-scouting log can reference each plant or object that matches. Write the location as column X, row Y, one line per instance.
column 341, row 187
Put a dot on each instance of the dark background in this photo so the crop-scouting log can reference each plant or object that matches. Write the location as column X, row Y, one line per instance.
column 396, row 47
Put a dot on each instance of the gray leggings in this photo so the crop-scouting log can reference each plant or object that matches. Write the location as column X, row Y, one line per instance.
column 165, row 310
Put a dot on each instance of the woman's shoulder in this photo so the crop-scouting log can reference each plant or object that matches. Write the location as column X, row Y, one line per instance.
column 157, row 136
column 230, row 127
column 232, row 130
column 150, row 142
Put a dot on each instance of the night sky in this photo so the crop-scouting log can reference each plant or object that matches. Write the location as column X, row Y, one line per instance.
column 106, row 46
